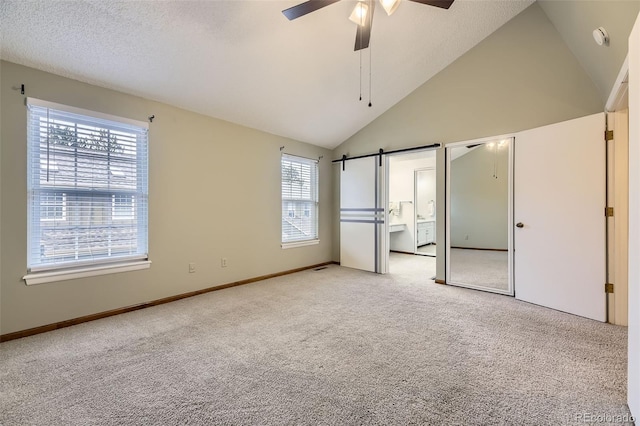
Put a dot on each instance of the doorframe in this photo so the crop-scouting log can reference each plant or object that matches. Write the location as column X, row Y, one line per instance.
column 510, row 213
column 617, row 119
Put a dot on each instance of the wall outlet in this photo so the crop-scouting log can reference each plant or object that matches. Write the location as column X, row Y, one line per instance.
column 223, row 262
column 192, row 268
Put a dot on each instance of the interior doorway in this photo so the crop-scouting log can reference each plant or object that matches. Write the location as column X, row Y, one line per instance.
column 411, row 195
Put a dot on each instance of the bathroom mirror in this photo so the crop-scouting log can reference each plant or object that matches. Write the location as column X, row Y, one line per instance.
column 479, row 207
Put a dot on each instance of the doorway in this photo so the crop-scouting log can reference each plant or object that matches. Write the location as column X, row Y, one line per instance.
column 411, row 195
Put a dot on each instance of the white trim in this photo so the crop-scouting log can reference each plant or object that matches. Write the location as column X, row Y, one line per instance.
column 479, row 141
column 81, row 111
column 295, row 244
column 300, row 157
column 90, row 271
column 620, row 87
column 105, row 261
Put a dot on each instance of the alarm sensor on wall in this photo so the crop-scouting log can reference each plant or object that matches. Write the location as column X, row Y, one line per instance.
column 601, row 36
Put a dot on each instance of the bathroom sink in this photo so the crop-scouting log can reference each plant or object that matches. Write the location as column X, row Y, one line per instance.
column 397, row 227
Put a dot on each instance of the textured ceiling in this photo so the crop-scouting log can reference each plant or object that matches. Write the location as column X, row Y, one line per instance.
column 243, row 61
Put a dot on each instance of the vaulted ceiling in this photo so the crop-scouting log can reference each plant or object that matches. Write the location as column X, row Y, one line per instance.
column 244, row 62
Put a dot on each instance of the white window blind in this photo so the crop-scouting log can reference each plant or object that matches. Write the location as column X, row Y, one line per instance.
column 87, row 187
column 299, row 199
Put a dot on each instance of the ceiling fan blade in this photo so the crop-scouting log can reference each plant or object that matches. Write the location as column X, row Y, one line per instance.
column 445, row 4
column 306, row 7
column 363, row 33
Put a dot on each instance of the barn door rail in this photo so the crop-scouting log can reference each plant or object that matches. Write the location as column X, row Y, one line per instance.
column 380, row 152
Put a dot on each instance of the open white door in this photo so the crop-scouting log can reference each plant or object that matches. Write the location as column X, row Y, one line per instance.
column 362, row 215
column 559, row 211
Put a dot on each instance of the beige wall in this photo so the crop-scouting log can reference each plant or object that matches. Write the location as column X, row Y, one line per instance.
column 480, row 201
column 575, row 20
column 214, row 191
column 521, row 76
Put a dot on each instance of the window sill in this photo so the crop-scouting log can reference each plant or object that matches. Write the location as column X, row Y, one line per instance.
column 89, row 271
column 299, row 244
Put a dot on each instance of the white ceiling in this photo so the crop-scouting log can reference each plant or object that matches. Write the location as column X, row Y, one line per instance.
column 243, row 61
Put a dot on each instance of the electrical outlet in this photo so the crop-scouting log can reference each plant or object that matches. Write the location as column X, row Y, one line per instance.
column 223, row 262
column 192, row 268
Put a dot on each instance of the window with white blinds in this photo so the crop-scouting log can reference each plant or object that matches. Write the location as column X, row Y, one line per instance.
column 87, row 187
column 299, row 199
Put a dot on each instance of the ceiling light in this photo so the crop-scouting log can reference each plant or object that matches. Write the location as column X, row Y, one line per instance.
column 359, row 14
column 390, row 6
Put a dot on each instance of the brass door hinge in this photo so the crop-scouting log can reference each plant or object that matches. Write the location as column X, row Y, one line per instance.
column 608, row 288
column 608, row 211
column 608, row 135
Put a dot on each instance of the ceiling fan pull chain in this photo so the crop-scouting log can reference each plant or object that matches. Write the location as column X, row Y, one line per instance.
column 361, row 70
column 370, row 54
column 360, row 35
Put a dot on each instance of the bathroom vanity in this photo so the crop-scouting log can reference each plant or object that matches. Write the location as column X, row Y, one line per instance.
column 426, row 231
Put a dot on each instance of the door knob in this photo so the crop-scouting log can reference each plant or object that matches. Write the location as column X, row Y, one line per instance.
column 520, row 225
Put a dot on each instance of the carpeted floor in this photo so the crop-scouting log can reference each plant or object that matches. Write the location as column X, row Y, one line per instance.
column 483, row 268
column 334, row 346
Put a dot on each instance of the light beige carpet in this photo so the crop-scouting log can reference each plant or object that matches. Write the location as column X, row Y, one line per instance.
column 484, row 268
column 331, row 347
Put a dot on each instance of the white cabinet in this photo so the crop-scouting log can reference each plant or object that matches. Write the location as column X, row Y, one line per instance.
column 426, row 232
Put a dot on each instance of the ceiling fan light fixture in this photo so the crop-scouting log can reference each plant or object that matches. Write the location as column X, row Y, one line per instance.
column 390, row 6
column 359, row 14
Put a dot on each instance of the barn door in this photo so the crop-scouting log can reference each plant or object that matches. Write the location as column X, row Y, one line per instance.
column 362, row 214
column 559, row 216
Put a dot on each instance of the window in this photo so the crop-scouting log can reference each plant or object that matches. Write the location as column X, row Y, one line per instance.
column 87, row 184
column 53, row 206
column 299, row 201
column 122, row 207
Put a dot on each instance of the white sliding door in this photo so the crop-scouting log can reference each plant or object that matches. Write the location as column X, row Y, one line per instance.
column 559, row 214
column 362, row 215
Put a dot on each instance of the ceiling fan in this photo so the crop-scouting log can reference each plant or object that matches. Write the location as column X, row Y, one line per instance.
column 362, row 15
